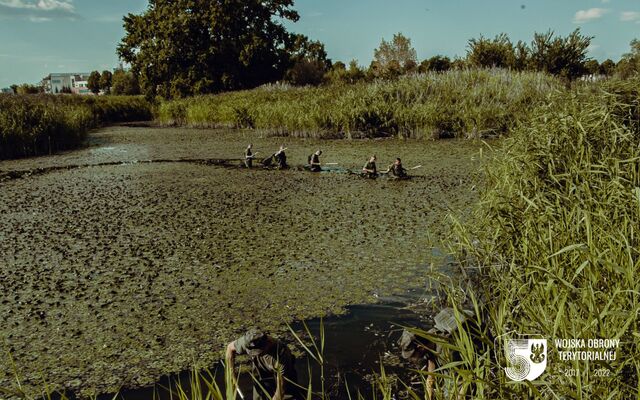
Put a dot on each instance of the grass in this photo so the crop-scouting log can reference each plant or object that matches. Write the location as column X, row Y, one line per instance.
column 470, row 103
column 33, row 125
column 554, row 247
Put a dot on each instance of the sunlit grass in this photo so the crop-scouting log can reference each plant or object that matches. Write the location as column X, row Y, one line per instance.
column 470, row 103
column 43, row 124
column 554, row 248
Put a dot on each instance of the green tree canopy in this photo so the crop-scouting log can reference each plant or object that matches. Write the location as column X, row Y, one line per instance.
column 491, row 53
column 93, row 83
column 309, row 62
column 124, row 83
column 562, row 56
column 435, row 63
column 629, row 65
column 592, row 67
column 394, row 58
column 26, row 88
column 106, row 81
column 186, row 47
column 608, row 67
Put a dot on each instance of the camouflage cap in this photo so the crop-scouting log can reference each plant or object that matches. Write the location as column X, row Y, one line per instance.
column 445, row 321
column 252, row 342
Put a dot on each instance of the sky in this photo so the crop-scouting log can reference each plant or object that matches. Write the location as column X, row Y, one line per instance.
column 38, row 37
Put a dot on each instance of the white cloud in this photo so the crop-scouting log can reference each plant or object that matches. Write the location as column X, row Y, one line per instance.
column 630, row 16
column 37, row 10
column 589, row 15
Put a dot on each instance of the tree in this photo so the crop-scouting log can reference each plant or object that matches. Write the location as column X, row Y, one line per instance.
column 394, row 58
column 14, row 87
column 25, row 88
column 355, row 73
column 592, row 67
column 459, row 64
column 629, row 65
column 522, row 55
column 435, row 63
column 106, row 81
column 306, row 72
column 93, row 83
column 564, row 57
column 309, row 62
column 608, row 67
column 491, row 53
column 124, row 83
column 180, row 48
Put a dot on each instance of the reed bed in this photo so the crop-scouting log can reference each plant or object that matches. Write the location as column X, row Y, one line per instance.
column 33, row 125
column 468, row 103
column 554, row 248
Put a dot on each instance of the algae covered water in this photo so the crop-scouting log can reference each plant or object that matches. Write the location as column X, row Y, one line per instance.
column 116, row 272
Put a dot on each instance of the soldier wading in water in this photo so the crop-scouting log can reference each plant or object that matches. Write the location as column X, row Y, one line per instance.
column 314, row 161
column 249, row 156
column 396, row 170
column 370, row 170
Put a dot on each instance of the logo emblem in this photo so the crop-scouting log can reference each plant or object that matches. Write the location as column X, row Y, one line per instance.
column 526, row 358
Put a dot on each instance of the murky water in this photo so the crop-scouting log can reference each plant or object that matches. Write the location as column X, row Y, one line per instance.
column 115, row 272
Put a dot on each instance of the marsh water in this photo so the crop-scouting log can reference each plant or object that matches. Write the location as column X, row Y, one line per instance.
column 120, row 265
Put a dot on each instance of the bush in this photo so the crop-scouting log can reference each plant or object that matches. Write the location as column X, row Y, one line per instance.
column 33, row 125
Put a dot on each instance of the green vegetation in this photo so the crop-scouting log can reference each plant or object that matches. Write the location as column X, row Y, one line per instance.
column 33, row 125
column 554, row 246
column 470, row 103
column 124, row 83
column 559, row 56
column 179, row 48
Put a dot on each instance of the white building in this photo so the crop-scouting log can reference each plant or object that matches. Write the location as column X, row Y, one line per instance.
column 56, row 83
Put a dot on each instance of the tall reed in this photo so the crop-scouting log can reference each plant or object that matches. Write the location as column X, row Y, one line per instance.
column 469, row 103
column 43, row 124
column 555, row 247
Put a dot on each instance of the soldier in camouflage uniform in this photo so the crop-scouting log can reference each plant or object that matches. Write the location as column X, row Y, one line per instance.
column 273, row 365
column 370, row 170
column 424, row 353
column 396, row 170
column 314, row 161
column 249, row 156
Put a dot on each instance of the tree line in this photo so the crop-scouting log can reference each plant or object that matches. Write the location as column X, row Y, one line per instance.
column 121, row 82
column 182, row 48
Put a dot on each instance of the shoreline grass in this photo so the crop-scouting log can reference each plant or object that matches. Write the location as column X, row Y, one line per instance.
column 555, row 243
column 468, row 103
column 32, row 125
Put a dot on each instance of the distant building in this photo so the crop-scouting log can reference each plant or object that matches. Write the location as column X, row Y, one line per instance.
column 76, row 83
